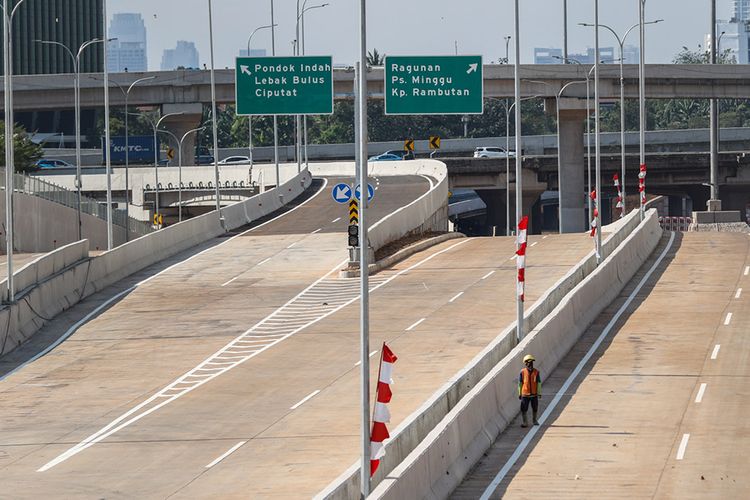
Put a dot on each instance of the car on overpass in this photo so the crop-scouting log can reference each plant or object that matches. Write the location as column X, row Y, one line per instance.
column 393, row 155
column 48, row 163
column 493, row 152
column 235, row 160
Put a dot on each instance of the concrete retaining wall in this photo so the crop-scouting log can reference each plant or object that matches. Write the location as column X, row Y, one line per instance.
column 429, row 212
column 415, row 429
column 438, row 464
column 48, row 295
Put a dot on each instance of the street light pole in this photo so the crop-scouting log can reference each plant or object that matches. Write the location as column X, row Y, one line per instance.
column 519, row 149
column 621, row 44
column 642, row 92
column 214, row 115
column 155, row 125
column 250, row 117
column 179, row 143
column 107, row 159
column 565, row 30
column 304, row 117
column 275, row 117
column 507, row 43
column 597, row 138
column 714, row 119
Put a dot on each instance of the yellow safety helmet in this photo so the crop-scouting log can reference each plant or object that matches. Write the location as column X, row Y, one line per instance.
column 528, row 357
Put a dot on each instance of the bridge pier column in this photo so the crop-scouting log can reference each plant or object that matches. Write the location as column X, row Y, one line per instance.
column 191, row 116
column 572, row 176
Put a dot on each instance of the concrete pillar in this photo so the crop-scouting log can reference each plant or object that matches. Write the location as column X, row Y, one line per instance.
column 572, row 181
column 191, row 116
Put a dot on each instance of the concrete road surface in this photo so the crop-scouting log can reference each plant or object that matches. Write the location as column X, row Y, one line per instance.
column 661, row 409
column 233, row 374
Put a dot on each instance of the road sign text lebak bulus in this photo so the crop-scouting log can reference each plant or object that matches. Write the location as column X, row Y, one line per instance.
column 284, row 85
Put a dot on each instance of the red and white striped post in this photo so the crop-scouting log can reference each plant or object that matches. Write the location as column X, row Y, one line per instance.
column 380, row 413
column 523, row 225
column 642, row 187
column 620, row 201
column 594, row 227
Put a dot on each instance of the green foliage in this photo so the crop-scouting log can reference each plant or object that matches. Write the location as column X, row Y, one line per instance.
column 26, row 152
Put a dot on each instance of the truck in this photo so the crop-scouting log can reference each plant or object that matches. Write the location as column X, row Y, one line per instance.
column 141, row 149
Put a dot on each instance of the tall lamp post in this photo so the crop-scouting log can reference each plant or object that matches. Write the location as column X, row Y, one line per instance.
column 642, row 92
column 250, row 118
column 275, row 117
column 714, row 122
column 76, row 60
column 155, row 126
column 621, row 44
column 519, row 149
column 179, row 143
column 214, row 115
column 302, row 17
column 9, row 123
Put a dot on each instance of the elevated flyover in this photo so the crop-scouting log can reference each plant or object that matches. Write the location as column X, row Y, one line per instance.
column 652, row 402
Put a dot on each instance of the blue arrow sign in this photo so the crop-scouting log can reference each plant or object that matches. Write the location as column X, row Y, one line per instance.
column 370, row 192
column 342, row 193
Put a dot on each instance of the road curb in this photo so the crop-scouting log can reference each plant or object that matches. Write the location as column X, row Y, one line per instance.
column 401, row 255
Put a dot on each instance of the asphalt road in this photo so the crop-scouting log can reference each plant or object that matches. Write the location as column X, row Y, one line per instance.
column 660, row 410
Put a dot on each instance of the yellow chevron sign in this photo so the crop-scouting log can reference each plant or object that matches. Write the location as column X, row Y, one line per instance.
column 434, row 142
column 353, row 212
column 409, row 145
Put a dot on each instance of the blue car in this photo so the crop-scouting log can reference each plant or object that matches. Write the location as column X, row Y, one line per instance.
column 46, row 163
column 386, row 157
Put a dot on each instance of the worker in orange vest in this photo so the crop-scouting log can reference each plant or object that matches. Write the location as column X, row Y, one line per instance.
column 529, row 389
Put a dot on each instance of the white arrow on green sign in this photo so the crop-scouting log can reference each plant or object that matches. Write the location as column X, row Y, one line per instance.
column 284, row 85
column 433, row 85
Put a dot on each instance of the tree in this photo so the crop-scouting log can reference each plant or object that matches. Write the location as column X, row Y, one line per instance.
column 26, row 152
column 374, row 58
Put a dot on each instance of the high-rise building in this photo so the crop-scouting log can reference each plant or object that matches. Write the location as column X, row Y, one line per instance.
column 554, row 56
column 185, row 55
column 733, row 41
column 544, row 55
column 631, row 54
column 71, row 23
column 741, row 10
column 128, row 52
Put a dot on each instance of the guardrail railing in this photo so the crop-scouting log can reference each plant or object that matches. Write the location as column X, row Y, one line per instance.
column 57, row 194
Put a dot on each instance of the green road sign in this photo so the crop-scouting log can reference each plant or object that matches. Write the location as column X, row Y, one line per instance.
column 284, row 85
column 433, row 85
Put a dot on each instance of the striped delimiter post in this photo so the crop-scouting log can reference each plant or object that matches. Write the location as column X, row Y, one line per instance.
column 380, row 414
column 523, row 225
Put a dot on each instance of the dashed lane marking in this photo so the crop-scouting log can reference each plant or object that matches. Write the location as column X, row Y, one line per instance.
column 456, row 296
column 683, row 446
column 317, row 230
column 701, row 391
column 715, row 352
column 738, row 294
column 305, row 399
column 360, row 361
column 415, row 325
column 728, row 319
column 534, row 243
column 747, row 270
column 488, row 275
column 226, row 454
column 336, row 220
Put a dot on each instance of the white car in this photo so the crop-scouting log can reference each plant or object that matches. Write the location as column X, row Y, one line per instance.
column 493, row 152
column 235, row 160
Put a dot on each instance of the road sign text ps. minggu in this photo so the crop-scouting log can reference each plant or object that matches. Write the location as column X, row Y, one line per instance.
column 300, row 85
column 433, row 85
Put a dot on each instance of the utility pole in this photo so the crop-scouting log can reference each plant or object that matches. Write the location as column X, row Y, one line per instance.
column 714, row 204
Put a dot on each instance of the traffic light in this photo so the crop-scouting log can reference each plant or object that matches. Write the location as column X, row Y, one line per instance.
column 353, row 235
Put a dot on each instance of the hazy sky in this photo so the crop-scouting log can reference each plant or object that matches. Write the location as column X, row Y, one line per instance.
column 403, row 27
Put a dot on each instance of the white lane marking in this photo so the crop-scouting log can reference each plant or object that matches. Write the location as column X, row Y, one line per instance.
column 106, row 303
column 545, row 236
column 116, row 424
column 534, row 243
column 456, row 296
column 226, row 454
column 336, row 220
column 429, row 179
column 264, row 261
column 290, row 246
column 317, row 230
column 488, row 275
column 514, row 257
column 360, row 361
column 228, row 282
column 738, row 294
column 683, row 446
column 563, row 390
column 715, row 352
column 747, row 270
column 415, row 325
column 701, row 391
column 728, row 319
column 305, row 399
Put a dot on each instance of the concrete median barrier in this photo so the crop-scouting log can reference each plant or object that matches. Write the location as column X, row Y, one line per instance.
column 437, row 466
column 58, row 280
column 463, row 417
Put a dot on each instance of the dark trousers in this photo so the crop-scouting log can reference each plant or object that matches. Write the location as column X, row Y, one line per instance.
column 525, row 403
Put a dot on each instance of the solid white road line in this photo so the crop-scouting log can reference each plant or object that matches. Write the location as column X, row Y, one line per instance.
column 701, row 391
column 488, row 275
column 226, row 454
column 415, row 325
column 264, row 261
column 564, row 389
column 683, row 446
column 106, row 303
column 360, row 361
column 290, row 246
column 456, row 296
column 728, row 319
column 715, row 352
column 738, row 294
column 336, row 220
column 305, row 399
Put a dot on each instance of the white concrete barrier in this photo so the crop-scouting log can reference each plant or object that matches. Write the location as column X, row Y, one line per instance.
column 410, row 436
column 60, row 279
column 442, row 459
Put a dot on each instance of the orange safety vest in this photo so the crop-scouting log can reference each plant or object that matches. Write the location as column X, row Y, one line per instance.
column 529, row 382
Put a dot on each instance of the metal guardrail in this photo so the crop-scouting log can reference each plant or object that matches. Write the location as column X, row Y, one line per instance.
column 57, row 194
